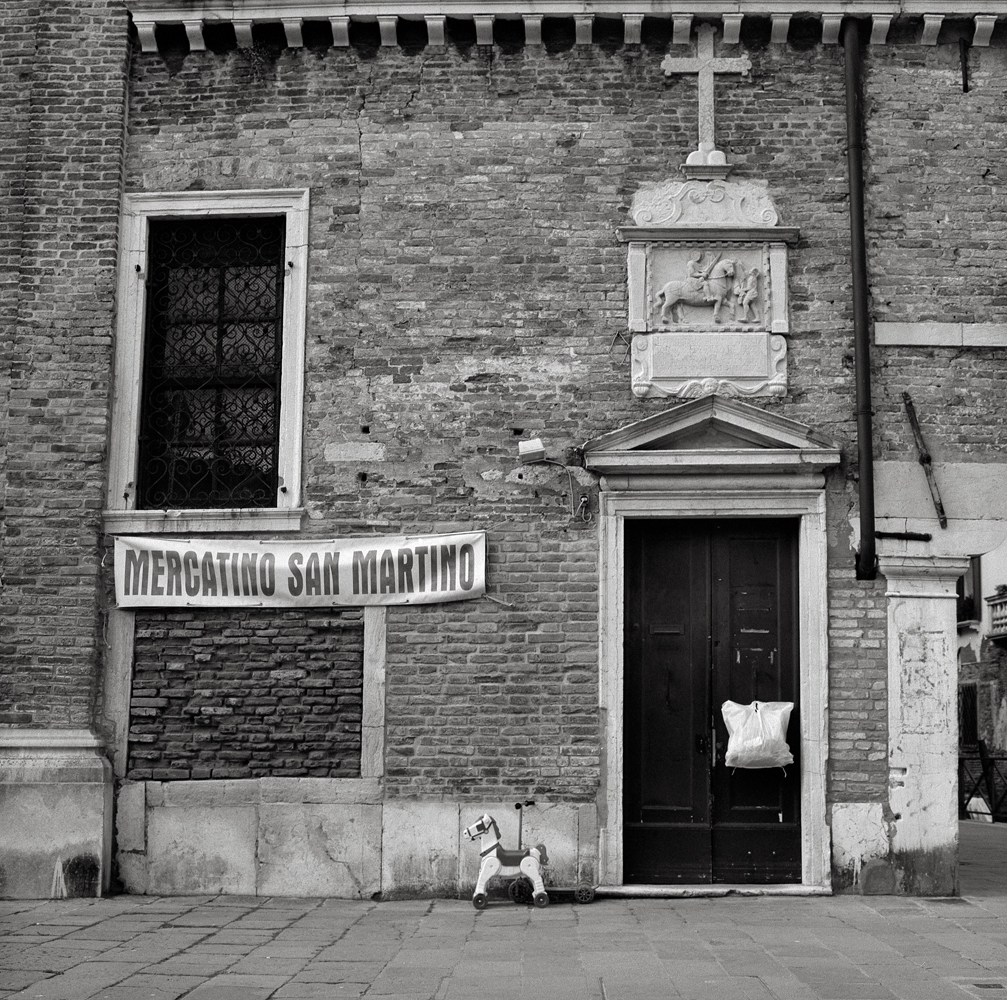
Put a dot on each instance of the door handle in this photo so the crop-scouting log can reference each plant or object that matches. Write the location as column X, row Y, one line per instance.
column 700, row 743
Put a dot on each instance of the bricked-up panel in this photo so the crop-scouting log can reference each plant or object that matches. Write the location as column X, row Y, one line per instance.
column 246, row 694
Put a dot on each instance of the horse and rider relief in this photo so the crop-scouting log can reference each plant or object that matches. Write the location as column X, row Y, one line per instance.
column 733, row 286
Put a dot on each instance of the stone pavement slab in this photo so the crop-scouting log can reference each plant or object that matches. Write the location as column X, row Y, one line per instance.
column 728, row 948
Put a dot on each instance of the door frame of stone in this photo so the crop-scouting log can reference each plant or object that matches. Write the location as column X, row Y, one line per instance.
column 720, row 499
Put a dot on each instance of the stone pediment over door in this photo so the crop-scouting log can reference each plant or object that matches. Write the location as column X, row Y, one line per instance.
column 713, row 435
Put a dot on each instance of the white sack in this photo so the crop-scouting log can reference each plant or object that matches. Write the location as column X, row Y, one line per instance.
column 757, row 733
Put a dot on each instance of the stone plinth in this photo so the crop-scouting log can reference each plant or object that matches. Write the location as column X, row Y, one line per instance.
column 56, row 809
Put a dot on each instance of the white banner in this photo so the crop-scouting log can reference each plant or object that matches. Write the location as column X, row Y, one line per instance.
column 232, row 573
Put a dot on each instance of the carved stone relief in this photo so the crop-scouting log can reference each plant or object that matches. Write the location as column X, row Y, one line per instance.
column 707, row 270
column 695, row 288
column 703, row 203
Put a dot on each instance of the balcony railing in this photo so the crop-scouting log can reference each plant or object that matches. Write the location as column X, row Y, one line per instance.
column 998, row 615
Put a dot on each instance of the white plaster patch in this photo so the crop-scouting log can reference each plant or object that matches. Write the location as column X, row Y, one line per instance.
column 969, row 490
column 355, row 451
column 859, row 835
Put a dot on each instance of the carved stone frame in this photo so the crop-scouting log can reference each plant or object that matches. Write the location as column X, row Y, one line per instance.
column 718, row 501
column 759, row 354
column 680, row 350
column 775, row 468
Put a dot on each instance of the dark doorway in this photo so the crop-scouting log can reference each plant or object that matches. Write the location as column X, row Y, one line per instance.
column 711, row 615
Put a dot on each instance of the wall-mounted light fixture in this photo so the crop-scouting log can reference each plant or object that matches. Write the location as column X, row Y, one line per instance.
column 532, row 452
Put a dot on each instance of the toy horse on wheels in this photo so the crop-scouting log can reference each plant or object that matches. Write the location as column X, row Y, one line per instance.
column 498, row 861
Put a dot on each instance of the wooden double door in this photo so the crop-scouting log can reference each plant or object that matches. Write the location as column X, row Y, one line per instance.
column 711, row 616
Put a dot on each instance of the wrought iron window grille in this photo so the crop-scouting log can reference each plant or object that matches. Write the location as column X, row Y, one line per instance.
column 210, row 399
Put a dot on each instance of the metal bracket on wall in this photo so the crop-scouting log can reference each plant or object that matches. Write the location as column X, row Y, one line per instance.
column 925, row 460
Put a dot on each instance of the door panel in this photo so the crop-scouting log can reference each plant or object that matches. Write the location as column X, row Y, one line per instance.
column 666, row 783
column 710, row 616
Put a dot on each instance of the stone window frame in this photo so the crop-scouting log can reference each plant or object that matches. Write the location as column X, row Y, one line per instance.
column 138, row 210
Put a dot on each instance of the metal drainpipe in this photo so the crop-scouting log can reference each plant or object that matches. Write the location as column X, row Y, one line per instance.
column 867, row 557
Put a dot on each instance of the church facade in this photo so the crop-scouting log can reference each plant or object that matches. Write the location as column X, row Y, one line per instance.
column 420, row 410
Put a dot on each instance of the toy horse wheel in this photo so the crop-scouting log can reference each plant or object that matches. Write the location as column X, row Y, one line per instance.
column 521, row 890
column 541, row 899
column 479, row 900
column 584, row 893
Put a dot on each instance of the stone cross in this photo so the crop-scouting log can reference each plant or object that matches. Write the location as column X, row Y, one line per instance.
column 705, row 65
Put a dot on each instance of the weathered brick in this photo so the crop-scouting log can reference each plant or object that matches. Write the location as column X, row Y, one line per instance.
column 313, row 712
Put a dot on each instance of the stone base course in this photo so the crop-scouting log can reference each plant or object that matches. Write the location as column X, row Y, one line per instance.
column 316, row 837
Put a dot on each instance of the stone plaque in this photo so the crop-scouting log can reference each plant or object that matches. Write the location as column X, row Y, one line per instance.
column 696, row 364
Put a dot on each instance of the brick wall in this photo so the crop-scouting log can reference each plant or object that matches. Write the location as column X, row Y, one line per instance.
column 64, row 92
column 465, row 290
column 486, row 696
column 936, row 181
column 246, row 694
column 17, row 48
column 858, row 685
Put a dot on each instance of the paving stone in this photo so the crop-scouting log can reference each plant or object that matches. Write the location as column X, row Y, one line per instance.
column 356, row 953
column 48, row 959
column 268, row 966
column 16, row 979
column 217, row 918
column 169, row 986
column 79, row 983
column 185, row 964
column 125, row 991
column 209, row 991
column 317, row 991
column 277, row 949
column 339, row 972
column 232, row 936
column 852, row 991
column 429, row 958
column 230, row 987
column 325, row 991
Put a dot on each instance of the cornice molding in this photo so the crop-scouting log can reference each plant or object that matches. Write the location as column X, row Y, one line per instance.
column 244, row 14
column 704, row 234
